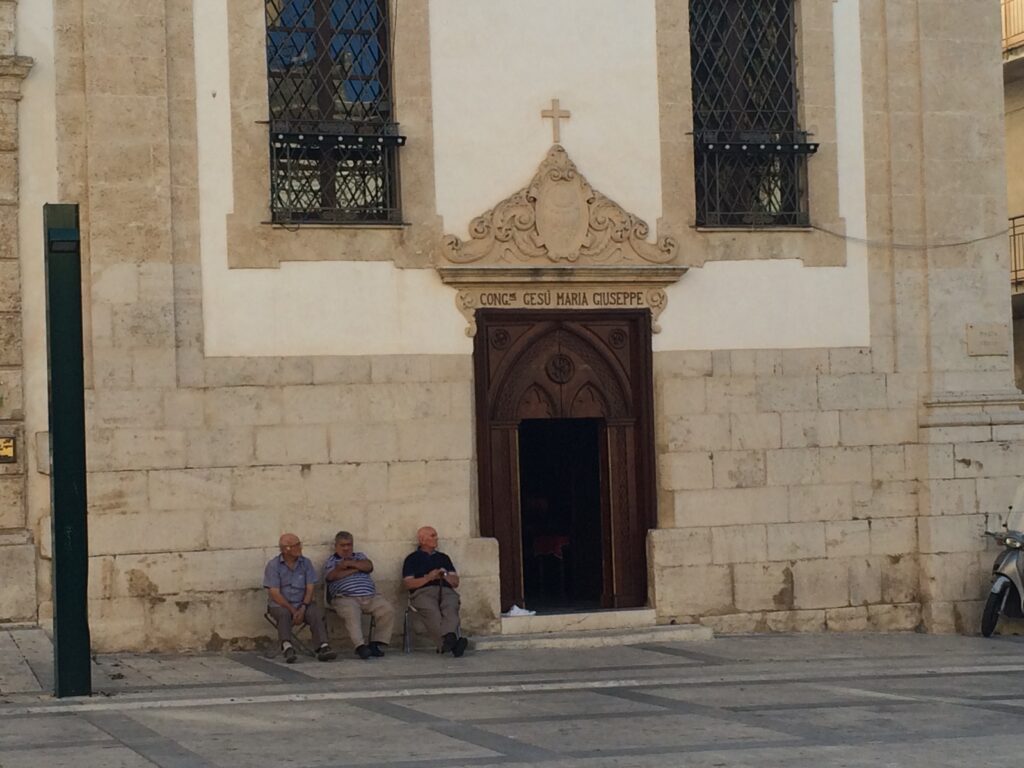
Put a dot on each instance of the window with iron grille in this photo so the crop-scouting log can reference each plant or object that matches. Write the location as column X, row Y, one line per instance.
column 333, row 138
column 750, row 154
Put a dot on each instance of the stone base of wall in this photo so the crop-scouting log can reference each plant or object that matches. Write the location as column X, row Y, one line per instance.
column 212, row 600
column 805, row 490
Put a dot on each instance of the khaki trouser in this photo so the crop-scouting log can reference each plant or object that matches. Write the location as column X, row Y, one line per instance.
column 351, row 610
column 440, row 613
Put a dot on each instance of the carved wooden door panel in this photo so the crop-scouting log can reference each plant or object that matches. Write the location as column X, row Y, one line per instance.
column 566, row 365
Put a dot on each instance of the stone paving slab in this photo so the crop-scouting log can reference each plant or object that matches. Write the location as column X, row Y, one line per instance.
column 15, row 674
column 806, row 700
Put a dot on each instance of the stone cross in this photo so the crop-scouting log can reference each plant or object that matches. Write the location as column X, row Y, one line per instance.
column 556, row 113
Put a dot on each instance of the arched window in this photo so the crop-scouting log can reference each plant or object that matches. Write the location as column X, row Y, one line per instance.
column 333, row 136
column 750, row 154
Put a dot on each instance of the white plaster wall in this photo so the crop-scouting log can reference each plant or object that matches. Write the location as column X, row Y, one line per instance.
column 782, row 304
column 340, row 308
column 38, row 185
column 495, row 66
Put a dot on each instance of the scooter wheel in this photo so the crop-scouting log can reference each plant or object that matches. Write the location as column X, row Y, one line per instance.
column 990, row 616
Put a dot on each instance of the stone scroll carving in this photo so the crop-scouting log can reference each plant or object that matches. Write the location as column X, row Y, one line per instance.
column 558, row 218
column 559, row 244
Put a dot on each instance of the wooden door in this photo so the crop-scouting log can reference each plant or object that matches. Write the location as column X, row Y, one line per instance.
column 551, row 365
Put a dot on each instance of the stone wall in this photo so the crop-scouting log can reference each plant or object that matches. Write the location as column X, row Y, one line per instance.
column 189, row 490
column 849, row 488
column 806, row 490
column 798, row 489
column 17, row 553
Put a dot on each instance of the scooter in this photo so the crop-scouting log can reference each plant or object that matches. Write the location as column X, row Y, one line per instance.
column 1006, row 597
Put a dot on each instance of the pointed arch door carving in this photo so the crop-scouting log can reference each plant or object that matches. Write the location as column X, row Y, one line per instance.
column 569, row 365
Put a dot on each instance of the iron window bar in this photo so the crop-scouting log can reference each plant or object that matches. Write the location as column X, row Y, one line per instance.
column 1017, row 251
column 334, row 144
column 750, row 155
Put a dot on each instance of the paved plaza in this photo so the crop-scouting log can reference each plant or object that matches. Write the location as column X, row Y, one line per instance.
column 776, row 700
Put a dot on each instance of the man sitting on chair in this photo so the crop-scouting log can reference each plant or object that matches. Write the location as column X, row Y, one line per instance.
column 350, row 589
column 289, row 579
column 431, row 579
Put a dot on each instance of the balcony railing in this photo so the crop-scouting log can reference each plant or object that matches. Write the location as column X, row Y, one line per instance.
column 1017, row 253
column 1013, row 23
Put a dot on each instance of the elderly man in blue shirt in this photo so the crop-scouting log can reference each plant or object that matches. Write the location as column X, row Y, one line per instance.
column 289, row 579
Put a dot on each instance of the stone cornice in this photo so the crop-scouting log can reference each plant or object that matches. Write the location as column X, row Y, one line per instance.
column 15, row 66
column 658, row 275
column 13, row 69
column 972, row 409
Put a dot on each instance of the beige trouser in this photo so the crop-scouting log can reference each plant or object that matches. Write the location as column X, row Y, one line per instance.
column 351, row 610
column 439, row 611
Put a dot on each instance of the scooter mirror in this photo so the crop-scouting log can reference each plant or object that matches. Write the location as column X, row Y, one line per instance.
column 1015, row 518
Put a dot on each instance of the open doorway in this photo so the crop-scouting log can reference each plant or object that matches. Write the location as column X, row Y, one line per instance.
column 561, row 509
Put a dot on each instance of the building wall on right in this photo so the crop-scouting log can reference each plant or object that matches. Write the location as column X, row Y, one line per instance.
column 1014, row 91
column 850, row 488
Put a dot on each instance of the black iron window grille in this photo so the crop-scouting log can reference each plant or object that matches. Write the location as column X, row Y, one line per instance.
column 1017, row 251
column 750, row 154
column 333, row 139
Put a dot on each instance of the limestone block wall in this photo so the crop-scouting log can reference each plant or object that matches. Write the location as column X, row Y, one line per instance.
column 805, row 490
column 17, row 553
column 189, row 490
column 798, row 489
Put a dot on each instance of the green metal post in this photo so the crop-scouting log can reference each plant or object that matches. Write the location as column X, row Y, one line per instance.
column 72, row 672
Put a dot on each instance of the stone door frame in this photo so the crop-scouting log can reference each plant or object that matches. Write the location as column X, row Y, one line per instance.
column 510, row 385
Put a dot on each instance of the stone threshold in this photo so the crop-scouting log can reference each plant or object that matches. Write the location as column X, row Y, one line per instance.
column 596, row 638
column 632, row 618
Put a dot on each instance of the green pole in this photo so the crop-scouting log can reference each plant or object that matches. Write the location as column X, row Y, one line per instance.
column 72, row 672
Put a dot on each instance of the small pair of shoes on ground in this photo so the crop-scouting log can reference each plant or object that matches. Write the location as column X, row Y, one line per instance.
column 367, row 651
column 455, row 644
column 323, row 653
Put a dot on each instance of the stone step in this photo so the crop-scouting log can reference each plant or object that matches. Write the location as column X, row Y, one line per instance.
column 632, row 618
column 596, row 638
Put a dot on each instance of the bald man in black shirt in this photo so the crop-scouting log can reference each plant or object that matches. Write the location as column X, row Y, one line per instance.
column 431, row 579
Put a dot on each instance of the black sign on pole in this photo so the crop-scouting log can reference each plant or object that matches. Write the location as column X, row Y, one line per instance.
column 72, row 672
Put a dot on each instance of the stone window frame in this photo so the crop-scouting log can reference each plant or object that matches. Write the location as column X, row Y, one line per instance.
column 254, row 241
column 815, row 77
column 334, row 143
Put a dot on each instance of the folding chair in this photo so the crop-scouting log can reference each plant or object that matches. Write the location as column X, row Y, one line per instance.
column 407, row 627
column 299, row 644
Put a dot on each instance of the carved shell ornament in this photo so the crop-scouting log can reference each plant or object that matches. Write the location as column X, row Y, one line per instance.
column 559, row 218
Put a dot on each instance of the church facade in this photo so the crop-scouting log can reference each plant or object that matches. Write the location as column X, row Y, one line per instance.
column 701, row 307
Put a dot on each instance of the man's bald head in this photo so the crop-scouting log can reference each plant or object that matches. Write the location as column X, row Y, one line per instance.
column 427, row 538
column 291, row 547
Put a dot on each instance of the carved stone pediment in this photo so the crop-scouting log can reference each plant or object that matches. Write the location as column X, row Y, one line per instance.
column 559, row 244
column 558, row 218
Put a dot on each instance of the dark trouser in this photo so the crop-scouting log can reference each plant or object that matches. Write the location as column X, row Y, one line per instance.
column 440, row 613
column 314, row 618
